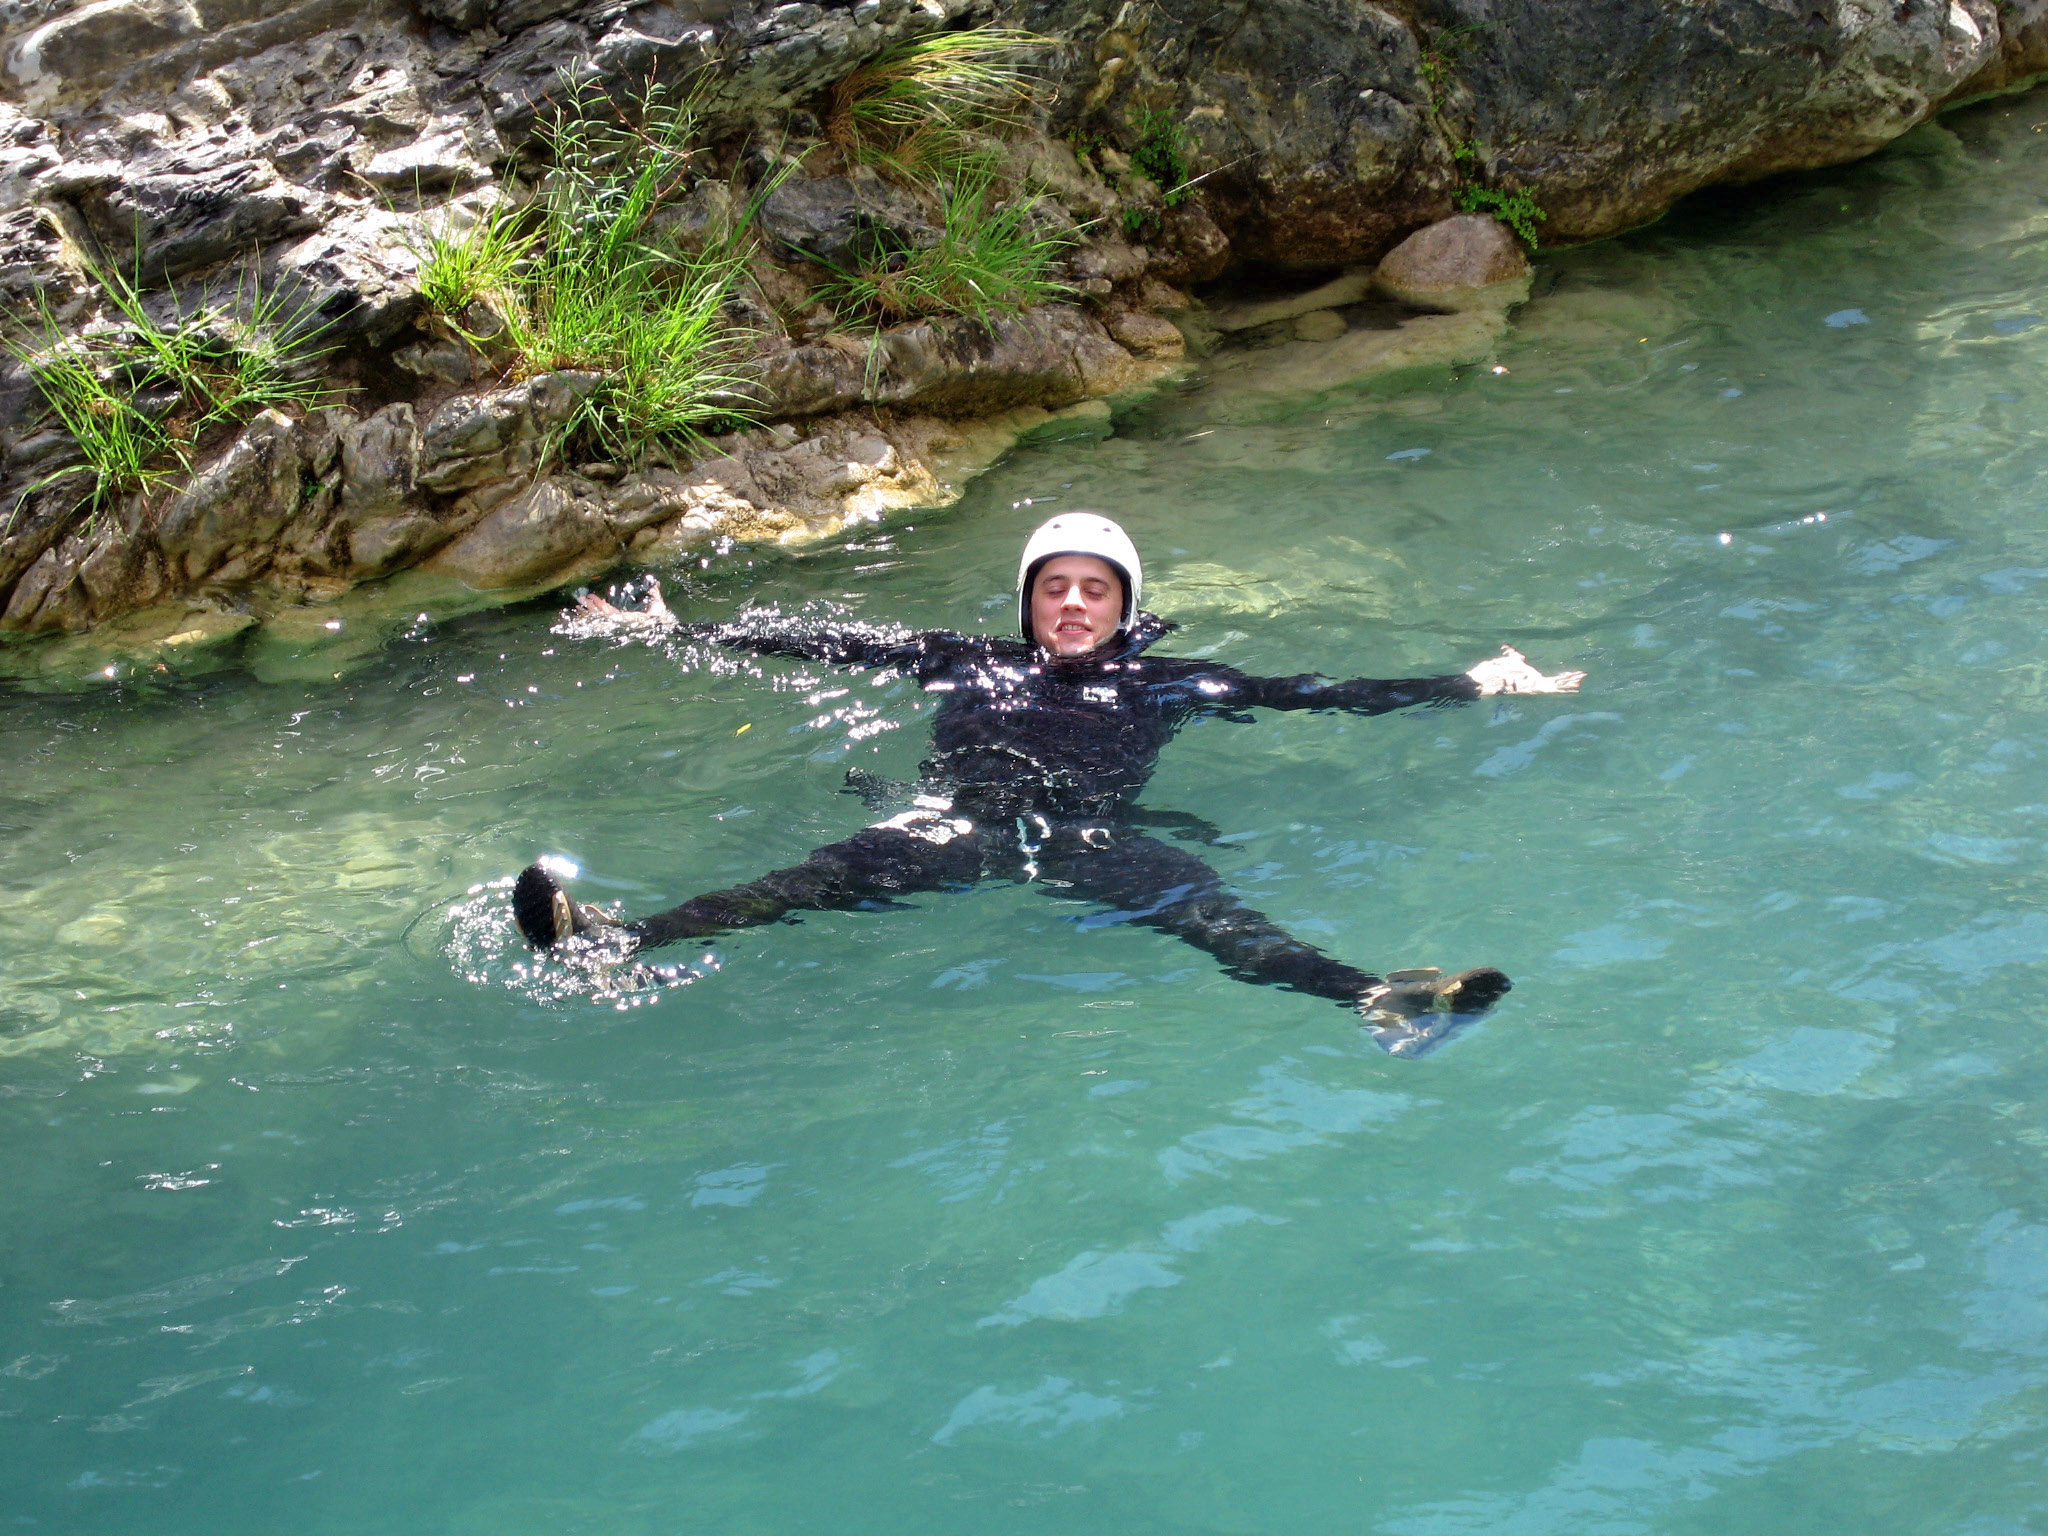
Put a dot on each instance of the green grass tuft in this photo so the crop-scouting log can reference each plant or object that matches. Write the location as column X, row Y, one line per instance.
column 139, row 394
column 460, row 267
column 125, row 449
column 592, row 288
column 579, row 279
column 927, row 112
column 917, row 110
column 988, row 262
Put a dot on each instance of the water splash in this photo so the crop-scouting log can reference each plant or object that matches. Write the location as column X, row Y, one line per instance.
column 483, row 946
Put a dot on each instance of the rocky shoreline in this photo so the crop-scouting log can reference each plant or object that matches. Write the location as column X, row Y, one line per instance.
column 1326, row 149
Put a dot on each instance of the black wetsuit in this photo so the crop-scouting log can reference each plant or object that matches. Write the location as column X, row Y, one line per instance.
column 1035, row 763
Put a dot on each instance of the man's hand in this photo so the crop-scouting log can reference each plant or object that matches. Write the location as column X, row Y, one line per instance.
column 653, row 612
column 1510, row 672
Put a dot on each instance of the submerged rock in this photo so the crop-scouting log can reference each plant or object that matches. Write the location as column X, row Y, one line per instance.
column 1345, row 288
column 1251, row 383
column 1319, row 325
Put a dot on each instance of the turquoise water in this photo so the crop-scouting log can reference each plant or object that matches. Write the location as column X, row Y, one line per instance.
column 981, row 1219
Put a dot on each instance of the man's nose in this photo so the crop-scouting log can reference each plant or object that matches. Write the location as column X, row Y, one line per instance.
column 1073, row 598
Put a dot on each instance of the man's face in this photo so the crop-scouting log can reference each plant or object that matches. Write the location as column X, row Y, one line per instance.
column 1077, row 602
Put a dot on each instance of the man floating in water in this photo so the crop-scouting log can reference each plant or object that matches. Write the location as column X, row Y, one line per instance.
column 1039, row 749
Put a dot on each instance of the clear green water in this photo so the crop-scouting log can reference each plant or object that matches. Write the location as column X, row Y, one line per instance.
column 975, row 1219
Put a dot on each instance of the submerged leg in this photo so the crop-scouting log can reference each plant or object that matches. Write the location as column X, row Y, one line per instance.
column 1143, row 880
column 870, row 868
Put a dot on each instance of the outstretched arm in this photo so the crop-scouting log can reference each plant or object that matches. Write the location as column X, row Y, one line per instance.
column 1509, row 672
column 858, row 645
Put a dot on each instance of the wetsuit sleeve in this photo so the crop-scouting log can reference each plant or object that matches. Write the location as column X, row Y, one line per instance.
column 1227, row 688
column 842, row 645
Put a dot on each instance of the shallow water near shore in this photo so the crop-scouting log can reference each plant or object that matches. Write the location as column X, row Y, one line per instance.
column 987, row 1217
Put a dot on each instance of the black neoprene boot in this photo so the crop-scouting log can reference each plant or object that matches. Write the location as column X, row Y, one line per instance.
column 1411, row 1013
column 544, row 912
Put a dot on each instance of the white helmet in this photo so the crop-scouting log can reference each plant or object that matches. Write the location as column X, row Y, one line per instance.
column 1080, row 533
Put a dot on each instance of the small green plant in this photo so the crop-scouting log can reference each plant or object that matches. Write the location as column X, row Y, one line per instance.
column 1162, row 155
column 1518, row 210
column 459, row 267
column 225, row 363
column 928, row 112
column 125, row 449
column 989, row 261
column 588, row 285
column 917, row 110
column 1440, row 56
column 138, row 394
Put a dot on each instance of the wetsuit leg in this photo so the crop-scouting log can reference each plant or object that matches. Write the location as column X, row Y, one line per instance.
column 1143, row 880
column 868, row 869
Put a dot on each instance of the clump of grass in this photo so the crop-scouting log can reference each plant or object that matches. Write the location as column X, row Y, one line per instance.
column 460, row 267
column 580, row 281
column 989, row 261
column 919, row 109
column 928, row 112
column 1518, row 210
column 125, row 449
column 138, row 394
column 655, row 328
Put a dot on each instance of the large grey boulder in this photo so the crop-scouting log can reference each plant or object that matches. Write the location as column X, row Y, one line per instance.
column 1466, row 262
column 39, row 519
column 109, row 566
column 382, row 521
column 1326, row 139
column 235, row 508
column 1612, row 119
